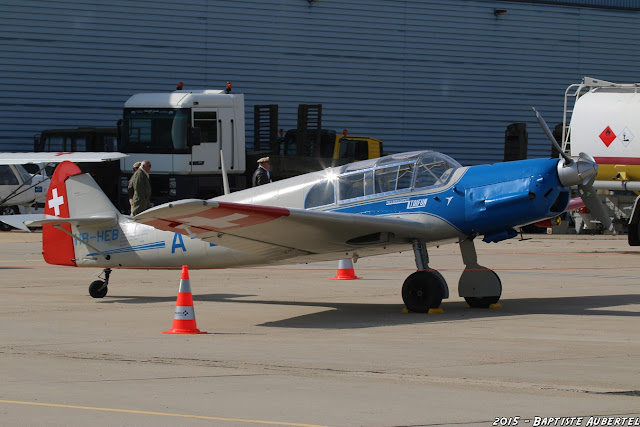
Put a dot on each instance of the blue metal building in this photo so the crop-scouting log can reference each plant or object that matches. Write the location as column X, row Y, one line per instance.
column 443, row 74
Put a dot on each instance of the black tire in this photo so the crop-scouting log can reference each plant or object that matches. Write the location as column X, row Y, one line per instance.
column 423, row 290
column 98, row 289
column 7, row 210
column 481, row 302
column 633, row 234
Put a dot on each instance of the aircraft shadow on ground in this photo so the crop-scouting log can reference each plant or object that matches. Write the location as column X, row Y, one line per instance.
column 355, row 315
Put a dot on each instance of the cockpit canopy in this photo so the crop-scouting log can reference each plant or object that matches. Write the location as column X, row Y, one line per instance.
column 396, row 173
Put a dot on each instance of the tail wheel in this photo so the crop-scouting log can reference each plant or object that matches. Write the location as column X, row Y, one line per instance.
column 7, row 210
column 98, row 289
column 423, row 290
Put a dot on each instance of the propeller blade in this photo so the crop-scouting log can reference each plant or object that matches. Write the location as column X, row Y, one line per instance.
column 591, row 199
column 567, row 160
column 583, row 173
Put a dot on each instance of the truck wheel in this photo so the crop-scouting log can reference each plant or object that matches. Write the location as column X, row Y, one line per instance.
column 7, row 210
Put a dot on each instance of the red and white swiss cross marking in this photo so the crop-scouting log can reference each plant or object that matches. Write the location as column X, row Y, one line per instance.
column 56, row 201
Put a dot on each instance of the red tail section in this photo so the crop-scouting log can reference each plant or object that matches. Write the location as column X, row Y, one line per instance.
column 57, row 246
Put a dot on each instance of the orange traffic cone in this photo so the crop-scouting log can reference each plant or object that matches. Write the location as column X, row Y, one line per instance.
column 345, row 270
column 184, row 318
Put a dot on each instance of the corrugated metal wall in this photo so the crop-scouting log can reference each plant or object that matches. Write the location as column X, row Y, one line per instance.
column 447, row 75
column 608, row 4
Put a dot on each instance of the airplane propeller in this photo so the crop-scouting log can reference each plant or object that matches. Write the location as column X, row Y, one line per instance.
column 581, row 173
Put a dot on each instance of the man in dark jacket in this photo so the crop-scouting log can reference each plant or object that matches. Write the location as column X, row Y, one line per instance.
column 262, row 174
column 130, row 191
column 141, row 188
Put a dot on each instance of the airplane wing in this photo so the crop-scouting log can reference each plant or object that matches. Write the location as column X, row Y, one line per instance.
column 76, row 157
column 280, row 232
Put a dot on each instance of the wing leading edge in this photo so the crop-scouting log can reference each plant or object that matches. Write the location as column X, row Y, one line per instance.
column 281, row 232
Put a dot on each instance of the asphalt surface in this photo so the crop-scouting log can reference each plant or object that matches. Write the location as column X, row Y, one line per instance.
column 287, row 346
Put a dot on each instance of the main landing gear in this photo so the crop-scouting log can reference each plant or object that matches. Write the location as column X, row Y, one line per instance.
column 98, row 288
column 425, row 289
column 479, row 286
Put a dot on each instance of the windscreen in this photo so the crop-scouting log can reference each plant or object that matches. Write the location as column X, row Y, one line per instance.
column 157, row 130
column 434, row 169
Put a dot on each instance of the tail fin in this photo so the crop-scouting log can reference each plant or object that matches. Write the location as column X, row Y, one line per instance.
column 71, row 195
column 57, row 246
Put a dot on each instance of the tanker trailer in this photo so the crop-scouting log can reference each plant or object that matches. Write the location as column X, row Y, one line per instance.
column 605, row 123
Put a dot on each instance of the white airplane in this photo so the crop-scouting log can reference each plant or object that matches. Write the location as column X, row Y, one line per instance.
column 19, row 189
column 366, row 208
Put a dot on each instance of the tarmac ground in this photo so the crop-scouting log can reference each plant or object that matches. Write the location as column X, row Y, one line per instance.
column 287, row 346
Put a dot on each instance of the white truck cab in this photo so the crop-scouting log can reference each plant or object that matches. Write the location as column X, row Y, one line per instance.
column 182, row 133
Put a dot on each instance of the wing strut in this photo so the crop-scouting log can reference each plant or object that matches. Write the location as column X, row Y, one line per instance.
column 107, row 257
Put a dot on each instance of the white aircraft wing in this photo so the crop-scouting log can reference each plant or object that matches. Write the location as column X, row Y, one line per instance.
column 280, row 232
column 76, row 157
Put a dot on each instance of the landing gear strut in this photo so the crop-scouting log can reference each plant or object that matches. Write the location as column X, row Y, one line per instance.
column 424, row 289
column 478, row 285
column 98, row 288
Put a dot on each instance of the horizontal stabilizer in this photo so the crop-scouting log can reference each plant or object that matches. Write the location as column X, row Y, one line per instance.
column 23, row 222
column 94, row 221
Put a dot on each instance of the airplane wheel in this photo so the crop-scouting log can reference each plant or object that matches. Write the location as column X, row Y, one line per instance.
column 481, row 302
column 7, row 210
column 98, row 289
column 484, row 302
column 423, row 290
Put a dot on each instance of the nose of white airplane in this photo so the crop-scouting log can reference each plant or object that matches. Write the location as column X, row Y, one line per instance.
column 580, row 172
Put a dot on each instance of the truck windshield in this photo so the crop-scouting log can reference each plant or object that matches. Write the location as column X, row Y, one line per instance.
column 155, row 130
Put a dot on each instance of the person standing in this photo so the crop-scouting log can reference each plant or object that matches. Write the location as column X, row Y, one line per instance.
column 141, row 189
column 262, row 174
column 136, row 166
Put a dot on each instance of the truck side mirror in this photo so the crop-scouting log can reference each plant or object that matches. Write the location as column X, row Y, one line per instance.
column 194, row 136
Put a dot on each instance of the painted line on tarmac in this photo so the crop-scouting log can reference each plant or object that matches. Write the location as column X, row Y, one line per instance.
column 163, row 414
column 558, row 254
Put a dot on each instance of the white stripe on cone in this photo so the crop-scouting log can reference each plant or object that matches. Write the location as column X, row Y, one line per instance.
column 345, row 270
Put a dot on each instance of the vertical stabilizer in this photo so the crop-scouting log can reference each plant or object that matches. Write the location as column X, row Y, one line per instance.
column 57, row 246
